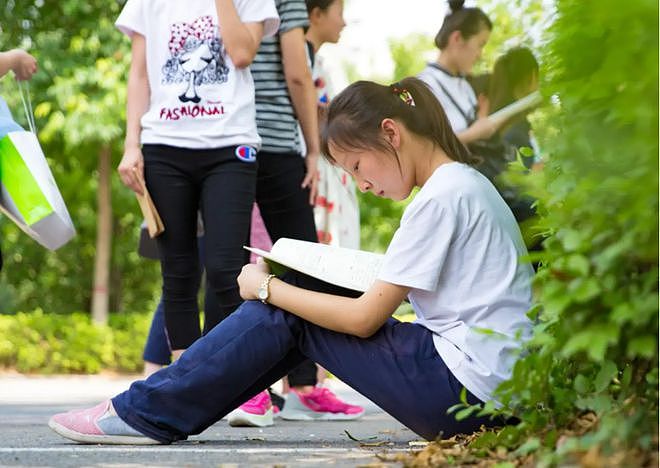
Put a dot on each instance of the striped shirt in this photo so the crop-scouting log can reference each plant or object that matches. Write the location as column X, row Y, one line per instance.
column 276, row 120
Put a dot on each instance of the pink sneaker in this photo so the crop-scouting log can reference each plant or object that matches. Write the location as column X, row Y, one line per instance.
column 256, row 412
column 319, row 404
column 97, row 425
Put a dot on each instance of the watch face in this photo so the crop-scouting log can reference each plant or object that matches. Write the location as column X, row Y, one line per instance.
column 263, row 294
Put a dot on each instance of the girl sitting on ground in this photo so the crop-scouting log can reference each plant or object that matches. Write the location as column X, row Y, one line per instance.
column 456, row 256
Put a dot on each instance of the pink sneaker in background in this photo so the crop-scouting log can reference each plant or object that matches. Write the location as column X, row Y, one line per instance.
column 319, row 404
column 256, row 412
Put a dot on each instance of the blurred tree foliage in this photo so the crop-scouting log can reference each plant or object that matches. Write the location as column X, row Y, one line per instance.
column 79, row 97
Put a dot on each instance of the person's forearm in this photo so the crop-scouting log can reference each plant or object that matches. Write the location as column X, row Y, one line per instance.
column 240, row 43
column 6, row 62
column 301, row 86
column 466, row 136
column 303, row 98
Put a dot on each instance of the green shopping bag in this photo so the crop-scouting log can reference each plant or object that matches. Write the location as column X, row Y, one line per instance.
column 28, row 193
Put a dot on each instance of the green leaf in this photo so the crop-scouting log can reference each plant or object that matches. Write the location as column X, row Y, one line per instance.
column 644, row 346
column 578, row 264
column 599, row 403
column 593, row 340
column 572, row 240
column 465, row 413
column 582, row 384
column 605, row 375
column 531, row 445
column 487, row 440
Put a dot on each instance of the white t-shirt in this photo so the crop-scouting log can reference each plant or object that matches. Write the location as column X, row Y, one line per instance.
column 461, row 111
column 198, row 99
column 458, row 248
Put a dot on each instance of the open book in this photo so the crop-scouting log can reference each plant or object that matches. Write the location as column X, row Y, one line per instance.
column 521, row 105
column 348, row 268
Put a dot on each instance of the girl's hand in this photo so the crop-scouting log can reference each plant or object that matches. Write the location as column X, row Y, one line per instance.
column 311, row 179
column 131, row 169
column 251, row 277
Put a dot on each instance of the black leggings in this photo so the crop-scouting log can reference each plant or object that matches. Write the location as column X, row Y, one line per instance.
column 222, row 186
column 286, row 212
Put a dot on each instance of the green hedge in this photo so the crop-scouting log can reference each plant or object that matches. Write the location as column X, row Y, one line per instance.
column 594, row 356
column 53, row 343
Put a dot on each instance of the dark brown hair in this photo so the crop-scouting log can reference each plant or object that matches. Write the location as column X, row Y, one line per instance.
column 322, row 4
column 355, row 116
column 517, row 67
column 469, row 21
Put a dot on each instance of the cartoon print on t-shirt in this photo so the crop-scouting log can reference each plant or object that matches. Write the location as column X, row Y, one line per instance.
column 198, row 57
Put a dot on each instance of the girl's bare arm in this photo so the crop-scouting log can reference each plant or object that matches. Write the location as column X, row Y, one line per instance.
column 361, row 316
column 241, row 40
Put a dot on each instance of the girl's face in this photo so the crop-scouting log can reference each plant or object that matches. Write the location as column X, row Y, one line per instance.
column 468, row 51
column 374, row 171
column 329, row 22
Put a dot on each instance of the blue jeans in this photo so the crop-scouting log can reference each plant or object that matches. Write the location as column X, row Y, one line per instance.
column 398, row 368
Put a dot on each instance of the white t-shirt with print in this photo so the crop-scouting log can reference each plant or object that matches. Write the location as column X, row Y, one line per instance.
column 458, row 248
column 198, row 99
column 462, row 110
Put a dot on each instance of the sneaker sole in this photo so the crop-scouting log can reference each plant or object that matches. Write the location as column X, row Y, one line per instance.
column 240, row 418
column 294, row 415
column 100, row 439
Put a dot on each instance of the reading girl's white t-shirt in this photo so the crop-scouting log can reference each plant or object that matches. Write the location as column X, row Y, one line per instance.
column 445, row 86
column 458, row 248
column 198, row 98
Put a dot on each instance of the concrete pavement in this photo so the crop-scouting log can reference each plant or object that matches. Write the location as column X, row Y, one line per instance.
column 27, row 402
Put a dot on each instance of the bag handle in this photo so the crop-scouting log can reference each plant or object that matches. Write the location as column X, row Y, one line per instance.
column 24, row 92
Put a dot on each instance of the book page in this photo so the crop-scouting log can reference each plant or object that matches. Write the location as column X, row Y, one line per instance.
column 348, row 268
column 516, row 107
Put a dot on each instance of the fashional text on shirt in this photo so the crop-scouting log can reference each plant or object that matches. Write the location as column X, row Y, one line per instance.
column 193, row 112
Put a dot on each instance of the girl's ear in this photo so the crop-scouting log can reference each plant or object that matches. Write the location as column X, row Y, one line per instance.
column 315, row 14
column 455, row 38
column 391, row 132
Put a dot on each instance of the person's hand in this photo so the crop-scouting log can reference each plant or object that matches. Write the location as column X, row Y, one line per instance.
column 311, row 179
column 482, row 129
column 131, row 169
column 251, row 277
column 23, row 64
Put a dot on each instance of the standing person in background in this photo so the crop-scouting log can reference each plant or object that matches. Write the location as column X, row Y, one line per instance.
column 515, row 75
column 336, row 213
column 461, row 39
column 286, row 189
column 24, row 66
column 191, row 134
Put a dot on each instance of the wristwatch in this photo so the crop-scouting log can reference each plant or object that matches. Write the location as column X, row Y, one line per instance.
column 263, row 292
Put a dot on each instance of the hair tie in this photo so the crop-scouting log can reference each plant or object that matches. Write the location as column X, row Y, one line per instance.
column 402, row 93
